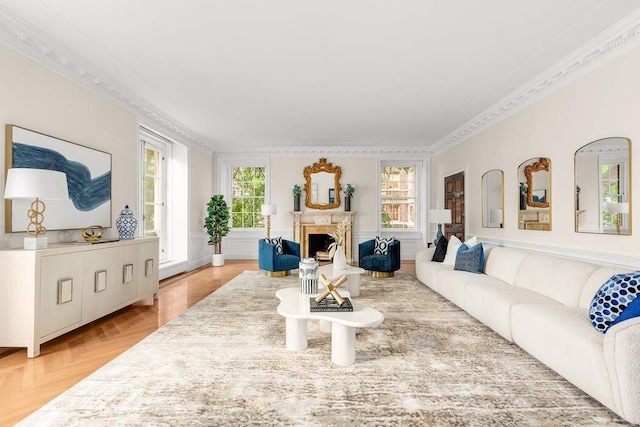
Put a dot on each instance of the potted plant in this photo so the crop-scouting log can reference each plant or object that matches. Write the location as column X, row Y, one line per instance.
column 348, row 194
column 217, row 225
column 297, row 192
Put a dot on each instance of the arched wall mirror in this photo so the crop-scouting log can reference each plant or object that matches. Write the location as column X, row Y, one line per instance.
column 493, row 199
column 322, row 185
column 603, row 187
column 534, row 176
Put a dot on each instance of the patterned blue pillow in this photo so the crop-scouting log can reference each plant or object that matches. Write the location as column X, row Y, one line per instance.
column 381, row 245
column 470, row 259
column 616, row 301
column 276, row 241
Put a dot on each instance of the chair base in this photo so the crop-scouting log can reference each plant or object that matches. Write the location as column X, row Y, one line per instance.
column 381, row 274
column 277, row 273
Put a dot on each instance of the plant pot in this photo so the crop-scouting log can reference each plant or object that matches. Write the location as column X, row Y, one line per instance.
column 217, row 260
column 523, row 202
column 347, row 204
column 296, row 204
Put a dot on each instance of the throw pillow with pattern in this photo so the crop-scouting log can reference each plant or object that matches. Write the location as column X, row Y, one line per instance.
column 470, row 259
column 276, row 241
column 381, row 245
column 616, row 300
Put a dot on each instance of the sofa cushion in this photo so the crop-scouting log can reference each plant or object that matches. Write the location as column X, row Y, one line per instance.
column 616, row 301
column 441, row 249
column 470, row 259
column 574, row 350
column 558, row 278
column 452, row 284
column 491, row 301
column 503, row 263
column 427, row 273
column 277, row 241
column 452, row 249
column 381, row 245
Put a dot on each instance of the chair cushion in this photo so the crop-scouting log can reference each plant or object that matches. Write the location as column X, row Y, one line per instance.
column 441, row 250
column 470, row 259
column 616, row 301
column 381, row 245
column 276, row 241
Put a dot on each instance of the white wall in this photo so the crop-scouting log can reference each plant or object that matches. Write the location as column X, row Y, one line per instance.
column 601, row 104
column 201, row 188
column 37, row 99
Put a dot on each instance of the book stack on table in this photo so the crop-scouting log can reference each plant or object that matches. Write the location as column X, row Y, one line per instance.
column 329, row 304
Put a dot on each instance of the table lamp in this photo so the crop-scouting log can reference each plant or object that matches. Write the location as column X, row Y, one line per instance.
column 439, row 216
column 38, row 184
column 267, row 211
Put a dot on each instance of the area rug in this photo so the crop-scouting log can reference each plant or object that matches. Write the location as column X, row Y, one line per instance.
column 224, row 362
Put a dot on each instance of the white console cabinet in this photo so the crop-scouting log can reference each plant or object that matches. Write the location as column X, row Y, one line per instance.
column 49, row 292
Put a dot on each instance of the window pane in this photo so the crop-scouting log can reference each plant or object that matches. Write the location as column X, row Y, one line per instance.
column 398, row 200
column 248, row 190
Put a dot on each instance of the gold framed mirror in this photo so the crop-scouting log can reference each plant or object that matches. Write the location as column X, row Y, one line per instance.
column 602, row 171
column 493, row 199
column 322, row 185
column 534, row 176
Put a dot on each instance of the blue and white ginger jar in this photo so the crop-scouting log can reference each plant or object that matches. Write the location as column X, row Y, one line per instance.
column 126, row 224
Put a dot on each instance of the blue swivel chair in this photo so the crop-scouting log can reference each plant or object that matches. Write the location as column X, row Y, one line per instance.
column 379, row 266
column 278, row 265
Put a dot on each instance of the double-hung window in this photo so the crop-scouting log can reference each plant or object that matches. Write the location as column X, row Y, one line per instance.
column 247, row 196
column 398, row 194
column 154, row 188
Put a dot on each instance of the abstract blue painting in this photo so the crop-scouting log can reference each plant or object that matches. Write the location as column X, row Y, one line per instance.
column 88, row 178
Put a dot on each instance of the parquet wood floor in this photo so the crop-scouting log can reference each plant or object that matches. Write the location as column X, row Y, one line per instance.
column 27, row 384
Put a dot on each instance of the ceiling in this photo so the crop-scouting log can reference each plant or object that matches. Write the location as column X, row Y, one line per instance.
column 296, row 73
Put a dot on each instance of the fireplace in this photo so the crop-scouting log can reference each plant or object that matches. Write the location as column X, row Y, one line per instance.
column 307, row 224
column 318, row 243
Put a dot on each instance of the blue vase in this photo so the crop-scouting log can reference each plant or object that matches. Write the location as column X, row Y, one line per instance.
column 126, row 224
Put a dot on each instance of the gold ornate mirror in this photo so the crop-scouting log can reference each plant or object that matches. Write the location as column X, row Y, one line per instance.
column 603, row 187
column 534, row 176
column 322, row 185
column 493, row 199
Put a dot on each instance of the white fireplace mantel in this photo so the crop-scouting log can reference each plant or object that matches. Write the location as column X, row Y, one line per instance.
column 321, row 222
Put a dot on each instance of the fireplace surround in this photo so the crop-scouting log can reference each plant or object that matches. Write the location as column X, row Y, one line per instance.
column 306, row 224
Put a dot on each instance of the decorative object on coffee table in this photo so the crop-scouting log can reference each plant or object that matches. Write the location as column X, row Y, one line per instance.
column 332, row 289
column 336, row 250
column 126, row 224
column 308, row 274
column 93, row 233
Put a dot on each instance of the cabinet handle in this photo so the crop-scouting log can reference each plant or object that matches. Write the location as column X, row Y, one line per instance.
column 127, row 273
column 65, row 291
column 100, row 281
column 148, row 267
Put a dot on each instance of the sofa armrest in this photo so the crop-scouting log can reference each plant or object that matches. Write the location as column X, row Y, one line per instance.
column 365, row 248
column 425, row 254
column 621, row 355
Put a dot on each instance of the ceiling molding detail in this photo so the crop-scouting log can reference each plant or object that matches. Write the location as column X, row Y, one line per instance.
column 616, row 41
column 324, row 150
column 28, row 40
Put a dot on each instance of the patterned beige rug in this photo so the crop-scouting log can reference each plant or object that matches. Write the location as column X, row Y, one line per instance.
column 224, row 363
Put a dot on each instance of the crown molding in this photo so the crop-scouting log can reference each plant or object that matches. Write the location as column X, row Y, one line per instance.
column 612, row 43
column 26, row 39
column 325, row 150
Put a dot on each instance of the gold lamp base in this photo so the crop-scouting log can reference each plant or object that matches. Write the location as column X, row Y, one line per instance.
column 381, row 274
column 277, row 273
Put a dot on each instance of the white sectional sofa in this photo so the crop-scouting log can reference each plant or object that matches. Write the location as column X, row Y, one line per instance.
column 541, row 303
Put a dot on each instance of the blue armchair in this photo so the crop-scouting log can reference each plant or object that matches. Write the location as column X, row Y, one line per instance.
column 278, row 265
column 379, row 265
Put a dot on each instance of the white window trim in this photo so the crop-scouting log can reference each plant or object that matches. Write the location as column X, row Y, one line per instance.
column 420, row 178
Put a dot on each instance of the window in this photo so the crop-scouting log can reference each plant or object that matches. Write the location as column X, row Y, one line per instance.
column 398, row 196
column 612, row 189
column 154, row 222
column 247, row 196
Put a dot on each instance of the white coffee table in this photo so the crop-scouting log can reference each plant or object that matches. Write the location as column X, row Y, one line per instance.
column 352, row 273
column 294, row 306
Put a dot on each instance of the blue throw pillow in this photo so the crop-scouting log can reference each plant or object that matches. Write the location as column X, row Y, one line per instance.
column 616, row 301
column 470, row 259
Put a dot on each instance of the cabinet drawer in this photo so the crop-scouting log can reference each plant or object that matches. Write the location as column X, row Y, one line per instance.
column 60, row 292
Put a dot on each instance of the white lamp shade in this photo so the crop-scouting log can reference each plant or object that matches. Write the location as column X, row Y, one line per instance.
column 495, row 216
column 618, row 208
column 25, row 183
column 440, row 216
column 268, row 209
